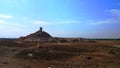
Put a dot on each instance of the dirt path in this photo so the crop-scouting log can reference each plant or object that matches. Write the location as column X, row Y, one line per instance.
column 6, row 57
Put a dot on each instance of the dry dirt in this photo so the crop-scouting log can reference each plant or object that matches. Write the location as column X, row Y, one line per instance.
column 101, row 54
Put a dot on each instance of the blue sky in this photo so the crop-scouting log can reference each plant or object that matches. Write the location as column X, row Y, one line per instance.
column 60, row 18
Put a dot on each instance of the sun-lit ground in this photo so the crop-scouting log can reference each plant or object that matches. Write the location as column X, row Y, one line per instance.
column 100, row 54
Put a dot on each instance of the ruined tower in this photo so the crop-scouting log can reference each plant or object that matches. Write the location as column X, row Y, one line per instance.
column 40, row 29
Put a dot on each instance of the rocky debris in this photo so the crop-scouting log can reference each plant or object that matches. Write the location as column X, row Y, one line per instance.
column 85, row 57
column 49, row 67
column 53, row 40
column 30, row 55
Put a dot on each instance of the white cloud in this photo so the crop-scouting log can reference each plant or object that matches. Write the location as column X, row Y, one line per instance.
column 115, row 19
column 10, row 28
column 8, row 23
column 38, row 22
column 116, row 12
column 13, row 32
column 107, row 21
column 68, row 22
column 5, row 16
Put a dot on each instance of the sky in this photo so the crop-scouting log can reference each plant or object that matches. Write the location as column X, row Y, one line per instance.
column 60, row 18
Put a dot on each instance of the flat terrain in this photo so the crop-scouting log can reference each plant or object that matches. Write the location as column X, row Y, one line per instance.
column 99, row 54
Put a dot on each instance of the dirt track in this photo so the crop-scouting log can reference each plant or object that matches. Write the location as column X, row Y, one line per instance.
column 6, row 57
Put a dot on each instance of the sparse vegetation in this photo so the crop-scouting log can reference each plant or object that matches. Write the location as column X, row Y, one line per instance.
column 111, row 52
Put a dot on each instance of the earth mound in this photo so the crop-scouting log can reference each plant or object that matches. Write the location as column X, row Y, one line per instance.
column 40, row 34
column 44, row 37
column 37, row 36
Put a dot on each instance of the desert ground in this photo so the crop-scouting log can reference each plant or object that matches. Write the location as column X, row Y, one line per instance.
column 99, row 54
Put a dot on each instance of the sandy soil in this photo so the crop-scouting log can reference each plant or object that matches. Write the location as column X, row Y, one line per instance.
column 6, row 57
column 91, row 55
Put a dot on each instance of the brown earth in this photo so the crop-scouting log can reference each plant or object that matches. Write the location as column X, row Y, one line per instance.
column 100, row 54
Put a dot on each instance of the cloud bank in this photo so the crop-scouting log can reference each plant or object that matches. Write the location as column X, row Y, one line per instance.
column 5, row 16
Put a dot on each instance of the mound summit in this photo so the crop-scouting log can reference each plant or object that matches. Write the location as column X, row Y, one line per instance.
column 40, row 34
